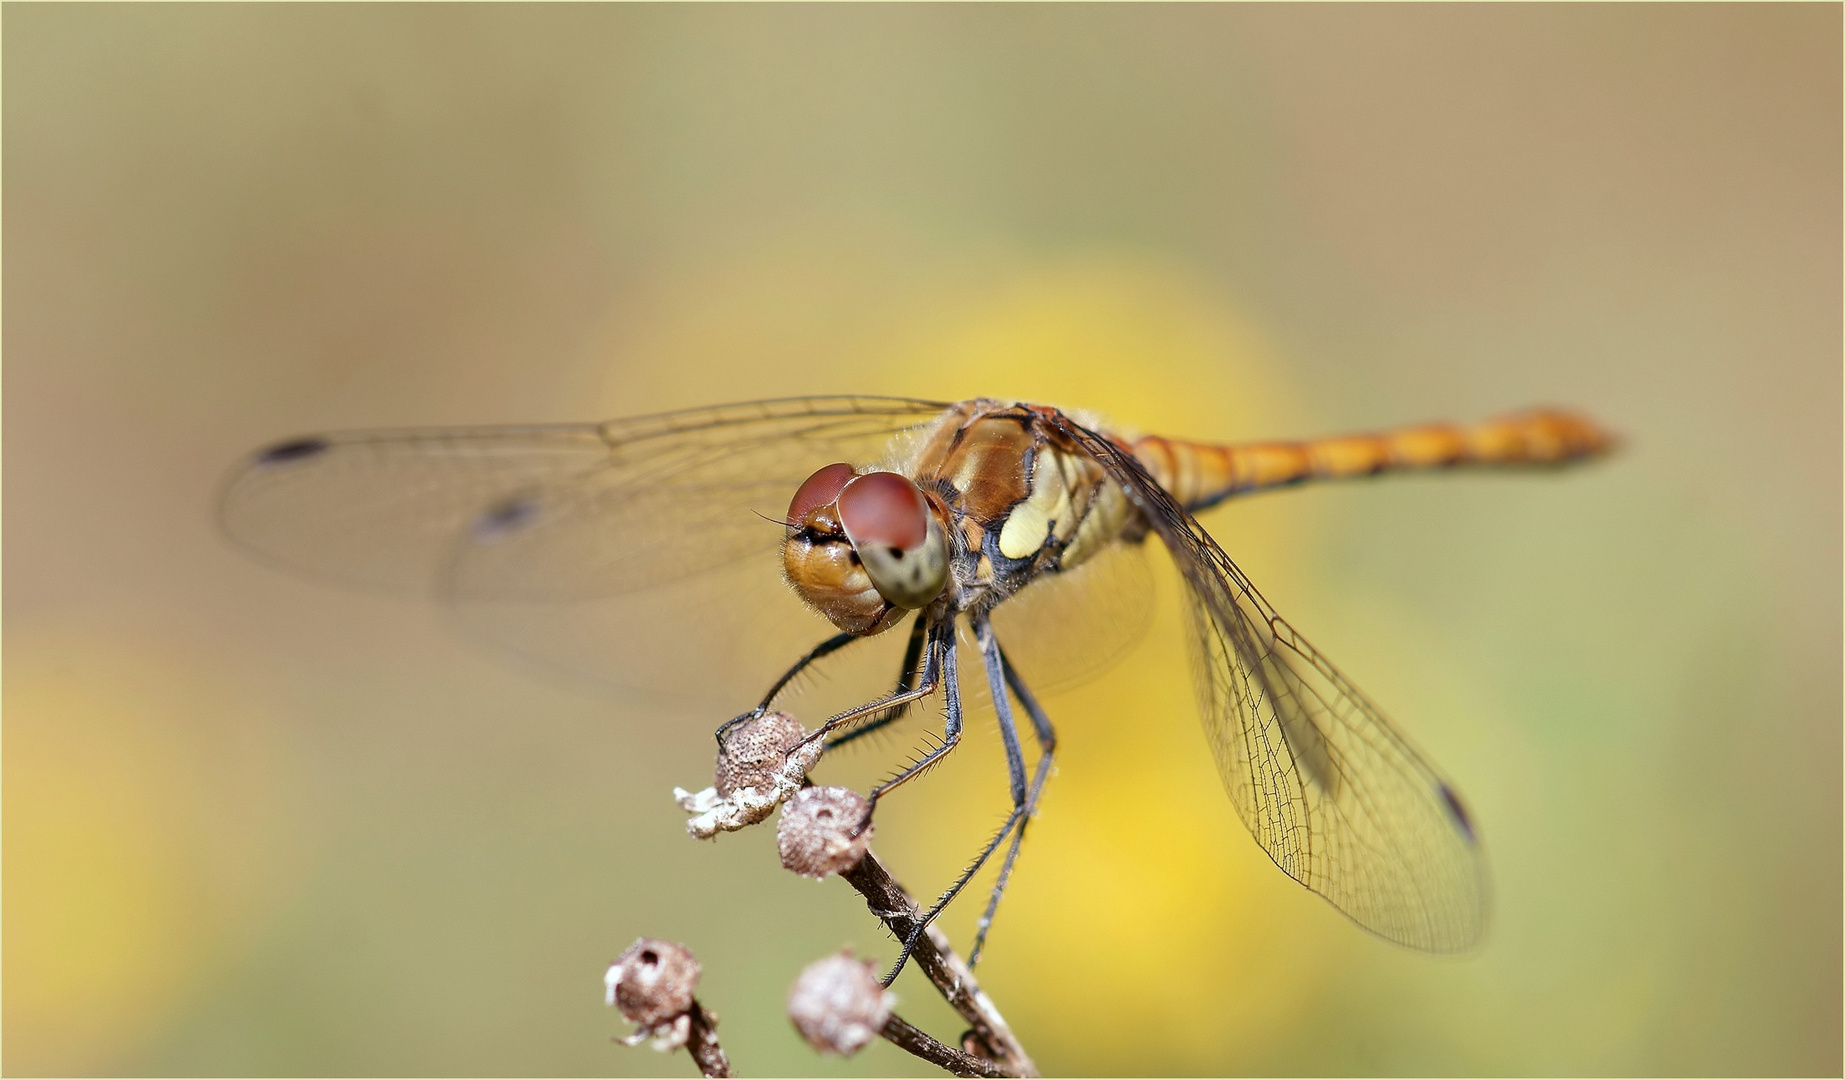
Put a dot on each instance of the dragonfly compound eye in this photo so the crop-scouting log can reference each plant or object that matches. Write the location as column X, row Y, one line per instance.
column 819, row 489
column 862, row 550
column 900, row 542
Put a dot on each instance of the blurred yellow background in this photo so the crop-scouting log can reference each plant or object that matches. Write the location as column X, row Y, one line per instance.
column 253, row 825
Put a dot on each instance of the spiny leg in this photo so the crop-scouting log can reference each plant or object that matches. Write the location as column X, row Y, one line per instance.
column 1047, row 746
column 912, row 655
column 1040, row 722
column 941, row 657
column 825, row 648
column 1022, row 797
column 954, row 890
column 942, row 662
column 938, row 670
column 1002, row 705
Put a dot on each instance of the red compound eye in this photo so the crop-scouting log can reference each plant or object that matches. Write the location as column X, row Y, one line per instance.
column 884, row 508
column 819, row 489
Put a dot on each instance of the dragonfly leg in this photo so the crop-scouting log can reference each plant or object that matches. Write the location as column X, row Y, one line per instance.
column 940, row 669
column 906, row 676
column 1047, row 747
column 1013, row 820
column 825, row 648
column 996, row 682
column 940, row 657
column 1000, row 675
column 1040, row 722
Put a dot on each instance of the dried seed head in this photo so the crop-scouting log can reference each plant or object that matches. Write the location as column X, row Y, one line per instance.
column 838, row 1004
column 815, row 835
column 754, row 752
column 761, row 762
column 652, row 982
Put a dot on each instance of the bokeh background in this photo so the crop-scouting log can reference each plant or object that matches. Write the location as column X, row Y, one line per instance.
column 254, row 825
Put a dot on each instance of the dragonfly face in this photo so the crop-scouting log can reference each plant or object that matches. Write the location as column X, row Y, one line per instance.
column 863, row 550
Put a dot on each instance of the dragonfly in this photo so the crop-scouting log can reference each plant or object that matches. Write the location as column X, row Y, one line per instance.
column 945, row 516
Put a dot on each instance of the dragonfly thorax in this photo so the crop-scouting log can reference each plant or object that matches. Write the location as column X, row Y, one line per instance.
column 863, row 549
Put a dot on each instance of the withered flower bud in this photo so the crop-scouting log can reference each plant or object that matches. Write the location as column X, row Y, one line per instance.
column 652, row 982
column 815, row 835
column 838, row 1004
column 761, row 762
column 754, row 753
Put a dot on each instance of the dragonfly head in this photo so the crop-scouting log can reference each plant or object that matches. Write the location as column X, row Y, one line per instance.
column 862, row 549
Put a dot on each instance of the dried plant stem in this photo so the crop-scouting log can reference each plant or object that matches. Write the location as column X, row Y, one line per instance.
column 702, row 1043
column 930, row 1049
column 951, row 976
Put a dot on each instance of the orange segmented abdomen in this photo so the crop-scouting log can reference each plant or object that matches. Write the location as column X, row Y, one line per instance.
column 1200, row 474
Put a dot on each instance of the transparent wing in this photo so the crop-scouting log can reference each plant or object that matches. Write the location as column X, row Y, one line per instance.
column 677, row 495
column 597, row 548
column 384, row 510
column 1064, row 629
column 555, row 512
column 1332, row 792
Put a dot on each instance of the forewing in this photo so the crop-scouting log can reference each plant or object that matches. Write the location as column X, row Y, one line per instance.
column 1330, row 789
column 384, row 509
column 639, row 552
column 551, row 512
column 677, row 495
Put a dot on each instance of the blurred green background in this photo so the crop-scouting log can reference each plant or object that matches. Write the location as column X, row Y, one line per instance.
column 253, row 825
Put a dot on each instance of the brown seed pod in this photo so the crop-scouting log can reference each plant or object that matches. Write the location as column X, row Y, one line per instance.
column 652, row 982
column 754, row 752
column 816, row 832
column 838, row 1005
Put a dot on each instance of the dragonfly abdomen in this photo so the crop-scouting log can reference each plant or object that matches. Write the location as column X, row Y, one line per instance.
column 1203, row 474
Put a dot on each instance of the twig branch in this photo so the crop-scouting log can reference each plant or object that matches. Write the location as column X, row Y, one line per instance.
column 951, row 976
column 702, row 1042
column 926, row 1046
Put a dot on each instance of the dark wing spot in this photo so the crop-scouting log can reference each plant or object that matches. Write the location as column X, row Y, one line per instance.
column 293, row 450
column 1457, row 812
column 505, row 519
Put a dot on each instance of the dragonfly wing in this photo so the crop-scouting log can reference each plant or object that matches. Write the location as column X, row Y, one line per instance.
column 559, row 511
column 618, row 550
column 1335, row 795
column 677, row 495
column 1065, row 629
column 383, row 510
